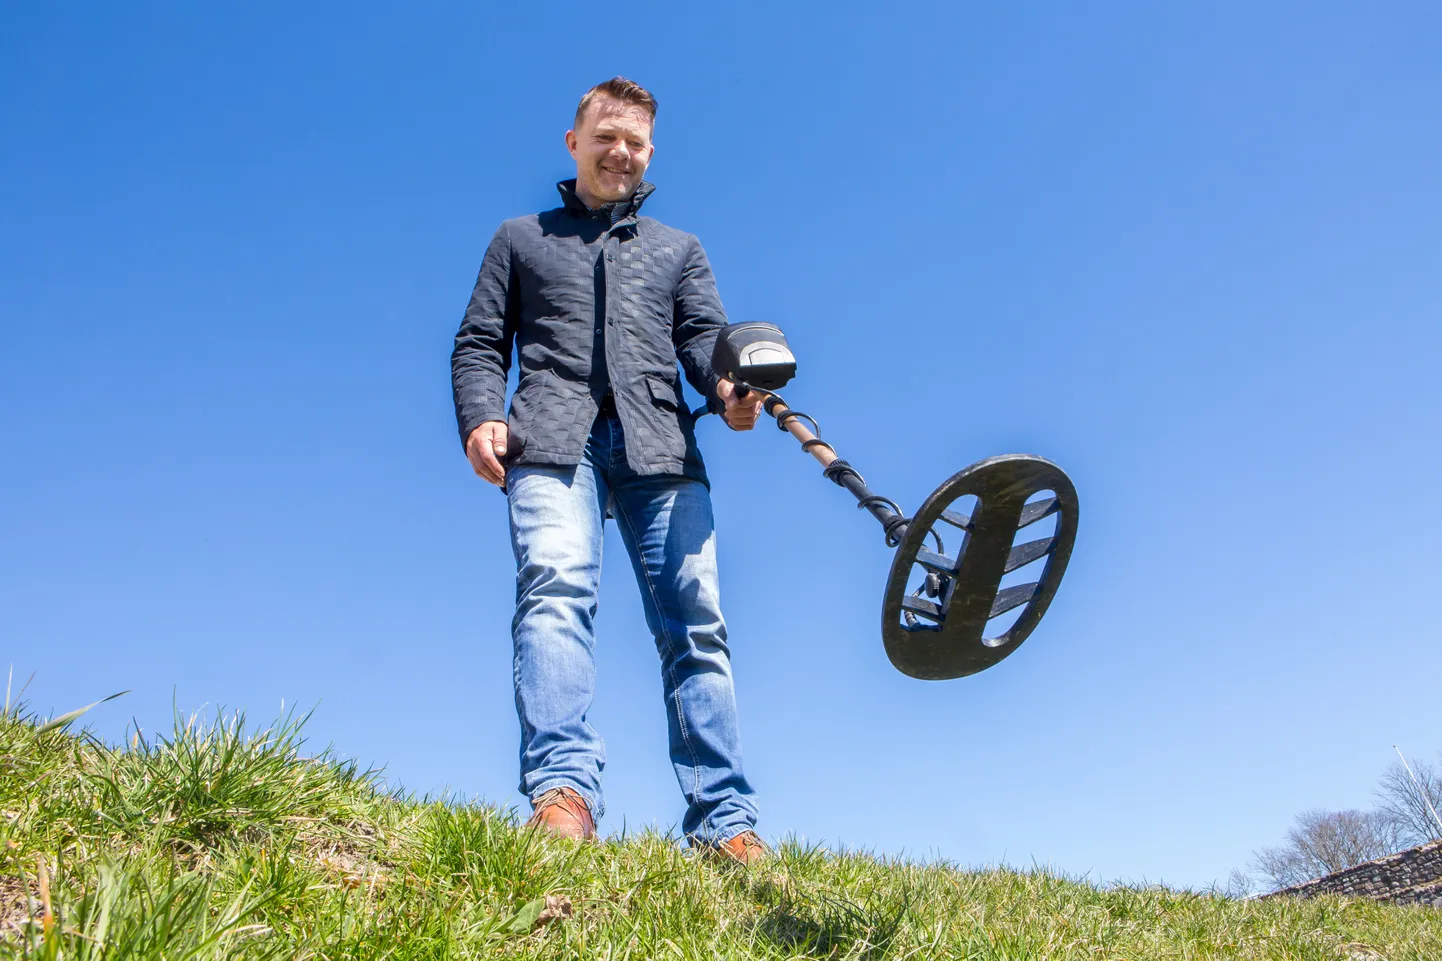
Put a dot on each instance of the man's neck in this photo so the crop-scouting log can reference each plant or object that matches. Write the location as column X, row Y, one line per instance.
column 594, row 202
column 615, row 210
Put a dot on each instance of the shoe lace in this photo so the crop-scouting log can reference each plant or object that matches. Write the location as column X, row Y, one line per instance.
column 563, row 797
column 556, row 795
column 750, row 840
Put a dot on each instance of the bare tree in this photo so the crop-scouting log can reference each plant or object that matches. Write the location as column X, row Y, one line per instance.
column 1321, row 842
column 1404, row 802
column 1239, row 885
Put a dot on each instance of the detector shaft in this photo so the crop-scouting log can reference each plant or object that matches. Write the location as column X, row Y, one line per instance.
column 884, row 510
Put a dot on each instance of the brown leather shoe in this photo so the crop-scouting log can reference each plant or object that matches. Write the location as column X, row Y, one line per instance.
column 746, row 849
column 563, row 812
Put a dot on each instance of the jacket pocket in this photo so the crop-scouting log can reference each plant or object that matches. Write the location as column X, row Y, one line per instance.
column 526, row 403
column 664, row 394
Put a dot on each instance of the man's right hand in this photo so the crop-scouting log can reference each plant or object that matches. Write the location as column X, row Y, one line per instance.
column 485, row 448
column 739, row 414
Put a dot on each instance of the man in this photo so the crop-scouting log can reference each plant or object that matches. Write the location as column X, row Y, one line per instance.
column 602, row 302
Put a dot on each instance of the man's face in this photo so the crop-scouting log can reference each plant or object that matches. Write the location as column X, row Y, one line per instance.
column 612, row 149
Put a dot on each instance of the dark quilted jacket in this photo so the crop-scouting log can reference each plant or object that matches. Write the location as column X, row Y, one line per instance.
column 548, row 282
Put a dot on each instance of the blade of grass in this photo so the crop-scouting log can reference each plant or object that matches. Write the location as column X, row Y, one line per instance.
column 10, row 680
column 64, row 719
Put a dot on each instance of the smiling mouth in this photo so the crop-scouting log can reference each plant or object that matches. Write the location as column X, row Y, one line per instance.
column 612, row 170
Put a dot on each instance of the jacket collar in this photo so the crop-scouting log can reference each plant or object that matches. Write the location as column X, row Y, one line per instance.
column 578, row 206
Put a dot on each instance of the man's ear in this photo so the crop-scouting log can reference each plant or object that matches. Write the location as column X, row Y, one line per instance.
column 572, row 141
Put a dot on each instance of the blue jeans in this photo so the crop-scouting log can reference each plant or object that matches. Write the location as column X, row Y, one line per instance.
column 557, row 516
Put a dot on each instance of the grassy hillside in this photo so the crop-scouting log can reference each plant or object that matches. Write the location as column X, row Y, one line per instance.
column 219, row 842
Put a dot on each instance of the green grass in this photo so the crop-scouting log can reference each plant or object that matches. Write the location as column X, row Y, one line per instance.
column 221, row 841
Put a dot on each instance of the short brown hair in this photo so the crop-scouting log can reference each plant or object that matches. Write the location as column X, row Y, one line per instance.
column 619, row 88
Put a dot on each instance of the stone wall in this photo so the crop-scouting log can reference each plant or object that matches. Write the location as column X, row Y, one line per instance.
column 1412, row 877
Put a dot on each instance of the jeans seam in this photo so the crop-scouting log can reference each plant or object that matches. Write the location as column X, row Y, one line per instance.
column 622, row 517
column 613, row 424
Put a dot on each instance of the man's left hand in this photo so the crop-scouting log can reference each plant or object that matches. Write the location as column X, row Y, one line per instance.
column 740, row 414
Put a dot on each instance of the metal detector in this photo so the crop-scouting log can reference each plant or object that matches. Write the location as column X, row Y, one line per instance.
column 937, row 630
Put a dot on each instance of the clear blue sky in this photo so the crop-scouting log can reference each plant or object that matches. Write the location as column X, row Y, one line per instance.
column 1190, row 252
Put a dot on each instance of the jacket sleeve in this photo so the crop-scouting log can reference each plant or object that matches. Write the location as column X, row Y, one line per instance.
column 698, row 318
column 482, row 355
